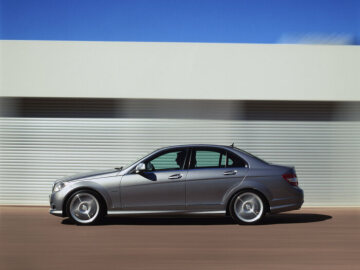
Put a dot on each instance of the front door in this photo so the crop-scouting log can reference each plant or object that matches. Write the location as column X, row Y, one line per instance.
column 160, row 187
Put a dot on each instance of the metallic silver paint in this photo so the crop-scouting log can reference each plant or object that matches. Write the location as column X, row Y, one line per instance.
column 58, row 213
column 199, row 189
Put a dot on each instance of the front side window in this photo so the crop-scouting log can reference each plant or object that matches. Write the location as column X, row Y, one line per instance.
column 172, row 160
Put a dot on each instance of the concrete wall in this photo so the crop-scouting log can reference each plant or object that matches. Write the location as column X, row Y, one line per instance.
column 179, row 70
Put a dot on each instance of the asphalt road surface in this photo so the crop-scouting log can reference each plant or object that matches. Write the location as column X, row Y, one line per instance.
column 312, row 238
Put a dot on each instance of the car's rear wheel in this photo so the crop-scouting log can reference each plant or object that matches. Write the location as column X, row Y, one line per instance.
column 247, row 208
column 84, row 207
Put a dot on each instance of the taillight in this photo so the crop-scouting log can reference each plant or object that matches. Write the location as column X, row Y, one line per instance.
column 291, row 178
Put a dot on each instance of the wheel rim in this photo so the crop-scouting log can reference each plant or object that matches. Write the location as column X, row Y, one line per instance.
column 248, row 207
column 84, row 208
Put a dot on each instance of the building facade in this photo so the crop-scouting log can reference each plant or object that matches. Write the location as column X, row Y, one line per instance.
column 69, row 107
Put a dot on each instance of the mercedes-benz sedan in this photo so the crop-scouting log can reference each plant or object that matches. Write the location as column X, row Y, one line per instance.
column 186, row 179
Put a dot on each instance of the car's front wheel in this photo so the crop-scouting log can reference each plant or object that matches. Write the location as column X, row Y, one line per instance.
column 84, row 207
column 247, row 208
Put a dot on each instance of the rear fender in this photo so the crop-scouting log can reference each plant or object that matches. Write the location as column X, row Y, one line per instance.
column 247, row 185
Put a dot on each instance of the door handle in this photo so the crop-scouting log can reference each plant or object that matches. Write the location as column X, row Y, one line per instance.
column 230, row 172
column 175, row 176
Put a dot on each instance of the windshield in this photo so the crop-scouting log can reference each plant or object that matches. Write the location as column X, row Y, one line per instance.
column 136, row 160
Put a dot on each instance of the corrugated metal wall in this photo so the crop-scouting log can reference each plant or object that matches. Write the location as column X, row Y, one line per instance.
column 35, row 151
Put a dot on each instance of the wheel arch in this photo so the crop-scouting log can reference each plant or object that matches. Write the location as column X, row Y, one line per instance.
column 67, row 197
column 248, row 189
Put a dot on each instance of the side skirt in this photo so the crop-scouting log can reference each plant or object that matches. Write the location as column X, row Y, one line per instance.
column 162, row 212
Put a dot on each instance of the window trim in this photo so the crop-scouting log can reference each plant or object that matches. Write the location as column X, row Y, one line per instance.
column 213, row 149
column 165, row 151
column 193, row 150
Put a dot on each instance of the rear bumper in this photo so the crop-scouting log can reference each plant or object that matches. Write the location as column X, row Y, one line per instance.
column 293, row 203
column 286, row 207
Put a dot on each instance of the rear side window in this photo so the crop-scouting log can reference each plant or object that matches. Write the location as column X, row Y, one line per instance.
column 215, row 159
column 233, row 161
column 207, row 159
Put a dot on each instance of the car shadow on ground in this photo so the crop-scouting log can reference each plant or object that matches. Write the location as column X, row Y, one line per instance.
column 288, row 218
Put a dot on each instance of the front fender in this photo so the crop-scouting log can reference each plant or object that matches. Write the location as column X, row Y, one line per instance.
column 89, row 185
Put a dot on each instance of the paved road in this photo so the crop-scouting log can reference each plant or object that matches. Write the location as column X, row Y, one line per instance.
column 313, row 238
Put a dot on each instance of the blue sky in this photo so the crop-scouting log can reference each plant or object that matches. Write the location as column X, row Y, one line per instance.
column 242, row 21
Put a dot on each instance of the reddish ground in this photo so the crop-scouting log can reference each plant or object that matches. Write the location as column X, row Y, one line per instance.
column 313, row 238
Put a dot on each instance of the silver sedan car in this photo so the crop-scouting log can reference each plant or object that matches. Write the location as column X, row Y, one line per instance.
column 185, row 179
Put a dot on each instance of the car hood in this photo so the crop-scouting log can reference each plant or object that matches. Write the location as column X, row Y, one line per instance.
column 92, row 174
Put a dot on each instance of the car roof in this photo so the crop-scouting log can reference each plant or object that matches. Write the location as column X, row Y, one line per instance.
column 232, row 148
column 196, row 145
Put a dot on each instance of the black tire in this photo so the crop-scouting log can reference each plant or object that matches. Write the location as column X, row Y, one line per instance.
column 93, row 207
column 237, row 217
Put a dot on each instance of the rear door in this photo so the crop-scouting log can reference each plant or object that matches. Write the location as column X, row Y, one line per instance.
column 212, row 172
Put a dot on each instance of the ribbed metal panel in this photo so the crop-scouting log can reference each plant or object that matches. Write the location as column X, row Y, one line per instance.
column 37, row 151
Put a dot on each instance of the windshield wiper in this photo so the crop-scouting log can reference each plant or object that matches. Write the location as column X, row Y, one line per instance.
column 118, row 168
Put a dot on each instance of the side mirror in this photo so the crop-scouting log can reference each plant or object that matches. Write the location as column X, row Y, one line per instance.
column 140, row 167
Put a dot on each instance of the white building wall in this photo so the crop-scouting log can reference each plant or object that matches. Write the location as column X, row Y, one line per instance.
column 179, row 70
column 35, row 151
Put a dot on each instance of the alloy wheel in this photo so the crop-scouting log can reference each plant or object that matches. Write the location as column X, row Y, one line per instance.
column 84, row 208
column 248, row 207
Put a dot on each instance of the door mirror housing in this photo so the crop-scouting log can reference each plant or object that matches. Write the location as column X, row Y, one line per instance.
column 141, row 167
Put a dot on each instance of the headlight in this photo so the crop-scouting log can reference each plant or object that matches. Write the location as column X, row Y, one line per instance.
column 58, row 186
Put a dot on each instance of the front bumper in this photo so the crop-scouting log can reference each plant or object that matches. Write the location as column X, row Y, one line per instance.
column 58, row 213
column 56, row 200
